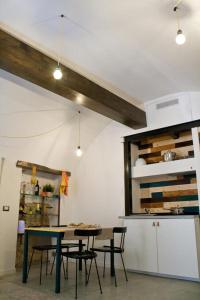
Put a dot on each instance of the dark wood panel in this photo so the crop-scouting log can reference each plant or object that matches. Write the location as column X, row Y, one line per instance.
column 30, row 64
column 136, row 138
column 127, row 179
column 150, row 155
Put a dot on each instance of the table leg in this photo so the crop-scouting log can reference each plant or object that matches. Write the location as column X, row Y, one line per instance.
column 58, row 263
column 112, row 260
column 80, row 249
column 25, row 258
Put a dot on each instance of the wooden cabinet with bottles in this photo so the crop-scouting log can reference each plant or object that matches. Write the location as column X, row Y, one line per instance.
column 39, row 199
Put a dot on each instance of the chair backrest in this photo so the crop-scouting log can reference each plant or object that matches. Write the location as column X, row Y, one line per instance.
column 89, row 233
column 122, row 231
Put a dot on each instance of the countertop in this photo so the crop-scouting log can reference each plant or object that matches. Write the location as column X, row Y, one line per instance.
column 146, row 216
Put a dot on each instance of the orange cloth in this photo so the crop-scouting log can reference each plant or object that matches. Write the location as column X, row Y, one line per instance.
column 64, row 184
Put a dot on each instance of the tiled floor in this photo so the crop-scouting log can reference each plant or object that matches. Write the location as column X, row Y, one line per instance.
column 139, row 287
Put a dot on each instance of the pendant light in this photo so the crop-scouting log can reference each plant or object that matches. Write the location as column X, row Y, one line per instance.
column 57, row 73
column 79, row 151
column 180, row 37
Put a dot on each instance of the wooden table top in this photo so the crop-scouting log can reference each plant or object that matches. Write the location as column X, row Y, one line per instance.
column 107, row 232
column 49, row 229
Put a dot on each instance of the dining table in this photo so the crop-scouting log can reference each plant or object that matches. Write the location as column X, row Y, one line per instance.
column 63, row 233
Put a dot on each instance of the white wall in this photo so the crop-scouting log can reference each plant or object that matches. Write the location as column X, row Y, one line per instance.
column 26, row 112
column 9, row 196
column 100, row 178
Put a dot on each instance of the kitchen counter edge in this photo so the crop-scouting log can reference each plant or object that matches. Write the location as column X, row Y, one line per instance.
column 160, row 217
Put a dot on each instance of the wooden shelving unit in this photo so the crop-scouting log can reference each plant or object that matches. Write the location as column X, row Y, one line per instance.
column 160, row 185
column 38, row 210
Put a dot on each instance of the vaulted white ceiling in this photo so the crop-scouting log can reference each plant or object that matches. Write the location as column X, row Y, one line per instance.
column 128, row 46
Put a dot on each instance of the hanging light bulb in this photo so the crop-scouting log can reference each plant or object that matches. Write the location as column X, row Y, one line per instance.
column 79, row 151
column 180, row 37
column 57, row 74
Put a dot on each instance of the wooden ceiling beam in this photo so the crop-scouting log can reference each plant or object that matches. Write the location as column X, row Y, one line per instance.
column 30, row 64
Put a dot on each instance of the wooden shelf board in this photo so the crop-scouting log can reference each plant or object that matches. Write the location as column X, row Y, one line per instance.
column 28, row 166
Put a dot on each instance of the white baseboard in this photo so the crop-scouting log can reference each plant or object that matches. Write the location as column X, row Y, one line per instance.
column 7, row 272
column 165, row 275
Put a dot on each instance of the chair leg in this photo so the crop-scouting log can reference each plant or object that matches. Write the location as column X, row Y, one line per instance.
column 98, row 276
column 30, row 262
column 53, row 265
column 115, row 278
column 67, row 265
column 104, row 263
column 76, row 280
column 89, row 271
column 47, row 262
column 124, row 267
column 41, row 267
column 63, row 264
column 86, row 274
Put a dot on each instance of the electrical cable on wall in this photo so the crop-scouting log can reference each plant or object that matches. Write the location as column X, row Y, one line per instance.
column 38, row 134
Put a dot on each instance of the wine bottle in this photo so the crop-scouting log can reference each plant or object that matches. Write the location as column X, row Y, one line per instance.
column 37, row 189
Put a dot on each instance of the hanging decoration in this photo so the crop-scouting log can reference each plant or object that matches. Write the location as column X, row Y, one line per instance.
column 64, row 184
column 33, row 177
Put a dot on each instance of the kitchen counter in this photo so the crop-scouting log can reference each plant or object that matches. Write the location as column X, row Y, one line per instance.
column 154, row 216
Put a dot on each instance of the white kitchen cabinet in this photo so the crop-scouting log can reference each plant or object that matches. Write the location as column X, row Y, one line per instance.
column 169, row 248
column 177, row 249
column 141, row 245
column 195, row 105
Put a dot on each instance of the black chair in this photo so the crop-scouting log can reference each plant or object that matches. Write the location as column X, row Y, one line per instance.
column 67, row 247
column 85, row 254
column 45, row 246
column 116, row 249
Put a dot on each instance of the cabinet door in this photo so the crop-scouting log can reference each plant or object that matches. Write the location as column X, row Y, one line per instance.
column 177, row 251
column 140, row 245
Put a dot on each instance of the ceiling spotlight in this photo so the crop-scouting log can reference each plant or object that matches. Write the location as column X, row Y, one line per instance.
column 180, row 37
column 57, row 74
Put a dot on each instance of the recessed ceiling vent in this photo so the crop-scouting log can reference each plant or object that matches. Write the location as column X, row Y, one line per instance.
column 167, row 103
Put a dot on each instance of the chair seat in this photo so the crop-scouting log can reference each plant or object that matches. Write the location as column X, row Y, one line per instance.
column 80, row 255
column 108, row 249
column 43, row 247
column 53, row 247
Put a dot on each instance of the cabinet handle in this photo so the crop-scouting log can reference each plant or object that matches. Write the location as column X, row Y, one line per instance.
column 153, row 224
column 158, row 224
